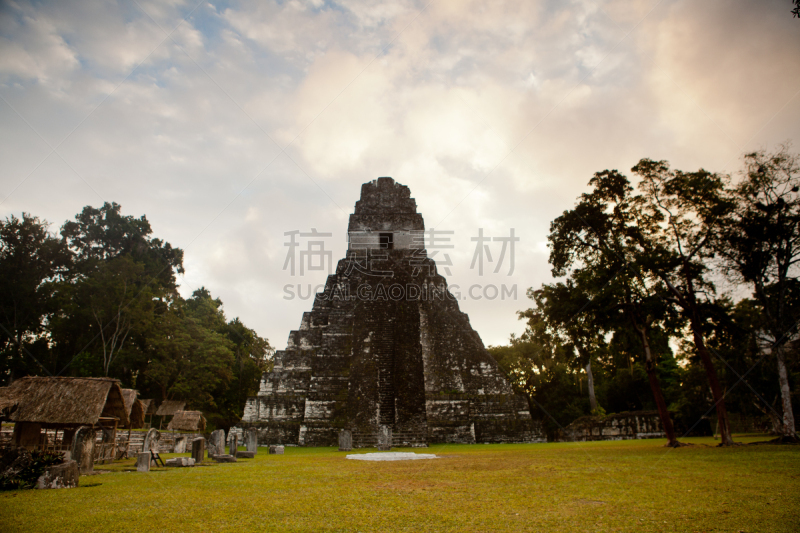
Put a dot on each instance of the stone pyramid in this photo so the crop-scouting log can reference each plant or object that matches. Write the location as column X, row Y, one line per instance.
column 386, row 347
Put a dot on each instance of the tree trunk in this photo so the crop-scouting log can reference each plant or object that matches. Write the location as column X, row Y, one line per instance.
column 590, row 386
column 655, row 386
column 689, row 304
column 774, row 419
column 719, row 398
column 787, row 428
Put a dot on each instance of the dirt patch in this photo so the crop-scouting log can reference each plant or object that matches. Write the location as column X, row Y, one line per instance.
column 582, row 501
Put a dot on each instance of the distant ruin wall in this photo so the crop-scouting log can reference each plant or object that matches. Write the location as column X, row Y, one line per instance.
column 619, row 426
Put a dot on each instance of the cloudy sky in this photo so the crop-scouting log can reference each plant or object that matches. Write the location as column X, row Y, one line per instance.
column 231, row 123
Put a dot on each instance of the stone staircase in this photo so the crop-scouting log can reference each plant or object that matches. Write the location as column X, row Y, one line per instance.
column 383, row 347
column 410, row 439
column 413, row 439
column 364, row 440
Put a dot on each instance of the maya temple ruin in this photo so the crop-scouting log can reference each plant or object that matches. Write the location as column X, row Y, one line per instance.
column 385, row 349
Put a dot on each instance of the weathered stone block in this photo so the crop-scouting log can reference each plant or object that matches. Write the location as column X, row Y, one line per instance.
column 82, row 451
column 198, row 449
column 252, row 440
column 345, row 440
column 63, row 476
column 143, row 462
column 216, row 446
column 225, row 458
column 234, row 447
column 151, row 440
column 180, row 445
column 245, row 455
column 180, row 461
column 384, row 438
column 276, row 450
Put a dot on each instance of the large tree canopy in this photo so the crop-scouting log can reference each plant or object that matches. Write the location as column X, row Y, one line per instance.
column 599, row 243
column 32, row 262
column 102, row 300
column 637, row 268
column 761, row 248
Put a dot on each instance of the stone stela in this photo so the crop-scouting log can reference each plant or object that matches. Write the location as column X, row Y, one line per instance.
column 394, row 372
column 234, row 446
column 198, row 449
column 216, row 445
column 345, row 440
column 252, row 440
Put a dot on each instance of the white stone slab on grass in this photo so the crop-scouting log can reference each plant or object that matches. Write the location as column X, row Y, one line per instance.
column 391, row 456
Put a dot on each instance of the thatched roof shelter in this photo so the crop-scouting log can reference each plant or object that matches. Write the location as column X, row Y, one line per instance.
column 7, row 405
column 5, row 400
column 149, row 406
column 188, row 421
column 129, row 395
column 137, row 415
column 170, row 407
column 134, row 408
column 58, row 402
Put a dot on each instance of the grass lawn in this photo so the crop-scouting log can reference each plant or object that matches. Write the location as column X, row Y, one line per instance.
column 599, row 486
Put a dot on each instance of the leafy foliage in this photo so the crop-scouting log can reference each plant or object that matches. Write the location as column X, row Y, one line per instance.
column 27, row 468
column 102, row 300
column 32, row 263
column 640, row 273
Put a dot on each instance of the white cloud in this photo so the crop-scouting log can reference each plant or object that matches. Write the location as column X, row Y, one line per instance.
column 495, row 114
column 33, row 50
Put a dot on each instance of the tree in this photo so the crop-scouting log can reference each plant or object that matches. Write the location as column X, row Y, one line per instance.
column 31, row 262
column 113, row 301
column 103, row 300
column 539, row 367
column 693, row 208
column 600, row 241
column 735, row 331
column 101, row 234
column 251, row 353
column 120, row 272
column 188, row 358
column 761, row 247
column 562, row 308
column 628, row 385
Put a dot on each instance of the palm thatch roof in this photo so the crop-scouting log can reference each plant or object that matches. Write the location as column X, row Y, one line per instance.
column 137, row 415
column 68, row 401
column 133, row 408
column 7, row 405
column 149, row 406
column 129, row 395
column 188, row 421
column 170, row 407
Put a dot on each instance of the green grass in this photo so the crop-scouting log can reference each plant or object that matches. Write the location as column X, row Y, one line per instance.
column 601, row 486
